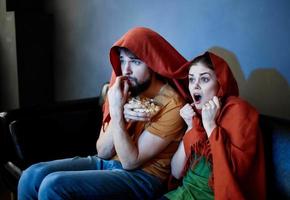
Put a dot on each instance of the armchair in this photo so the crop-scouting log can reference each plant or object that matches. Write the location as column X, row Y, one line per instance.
column 41, row 133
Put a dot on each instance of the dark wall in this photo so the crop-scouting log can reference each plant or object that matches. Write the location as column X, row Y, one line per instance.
column 8, row 62
column 74, row 37
column 253, row 36
column 34, row 42
column 35, row 59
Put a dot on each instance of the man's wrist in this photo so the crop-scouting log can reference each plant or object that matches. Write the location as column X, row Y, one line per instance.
column 116, row 115
column 116, row 111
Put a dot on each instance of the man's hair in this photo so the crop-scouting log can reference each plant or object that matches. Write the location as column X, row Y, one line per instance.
column 158, row 76
column 122, row 48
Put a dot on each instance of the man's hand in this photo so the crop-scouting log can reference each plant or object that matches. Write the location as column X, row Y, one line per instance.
column 131, row 115
column 117, row 96
column 209, row 113
column 187, row 113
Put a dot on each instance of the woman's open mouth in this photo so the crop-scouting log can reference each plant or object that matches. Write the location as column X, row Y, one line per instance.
column 197, row 98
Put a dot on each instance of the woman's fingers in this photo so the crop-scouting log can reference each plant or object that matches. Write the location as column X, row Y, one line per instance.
column 187, row 108
column 212, row 104
column 216, row 101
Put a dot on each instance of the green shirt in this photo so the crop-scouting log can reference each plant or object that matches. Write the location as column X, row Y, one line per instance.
column 195, row 184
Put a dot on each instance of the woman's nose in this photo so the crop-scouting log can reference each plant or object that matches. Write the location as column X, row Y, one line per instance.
column 196, row 84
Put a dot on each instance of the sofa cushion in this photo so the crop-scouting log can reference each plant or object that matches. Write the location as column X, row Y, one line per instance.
column 276, row 134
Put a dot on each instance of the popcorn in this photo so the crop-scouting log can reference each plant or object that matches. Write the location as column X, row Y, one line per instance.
column 146, row 105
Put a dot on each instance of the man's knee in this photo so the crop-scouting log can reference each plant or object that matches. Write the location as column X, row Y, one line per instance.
column 30, row 180
column 52, row 186
column 32, row 173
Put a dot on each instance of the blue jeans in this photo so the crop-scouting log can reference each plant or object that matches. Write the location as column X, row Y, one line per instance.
column 86, row 178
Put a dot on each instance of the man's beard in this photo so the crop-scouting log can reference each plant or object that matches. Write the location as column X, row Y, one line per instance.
column 138, row 88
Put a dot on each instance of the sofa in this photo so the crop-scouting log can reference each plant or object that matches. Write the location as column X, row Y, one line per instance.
column 70, row 128
column 276, row 134
column 41, row 133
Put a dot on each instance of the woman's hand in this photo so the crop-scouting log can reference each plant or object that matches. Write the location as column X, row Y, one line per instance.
column 209, row 113
column 187, row 113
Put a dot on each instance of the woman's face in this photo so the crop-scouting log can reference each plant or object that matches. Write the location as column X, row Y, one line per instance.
column 203, row 85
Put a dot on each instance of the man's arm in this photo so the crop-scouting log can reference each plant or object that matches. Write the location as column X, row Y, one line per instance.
column 131, row 155
column 117, row 96
column 134, row 155
column 105, row 145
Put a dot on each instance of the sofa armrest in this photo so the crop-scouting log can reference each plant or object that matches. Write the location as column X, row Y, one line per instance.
column 64, row 129
column 276, row 134
column 40, row 133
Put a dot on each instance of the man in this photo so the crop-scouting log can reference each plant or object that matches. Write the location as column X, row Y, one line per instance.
column 134, row 148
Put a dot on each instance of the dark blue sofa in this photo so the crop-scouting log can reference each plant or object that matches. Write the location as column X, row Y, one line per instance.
column 276, row 134
column 42, row 133
column 70, row 128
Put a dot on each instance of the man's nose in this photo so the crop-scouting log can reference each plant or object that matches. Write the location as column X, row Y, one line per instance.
column 127, row 68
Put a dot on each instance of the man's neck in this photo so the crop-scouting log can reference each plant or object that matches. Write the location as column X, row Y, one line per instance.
column 153, row 89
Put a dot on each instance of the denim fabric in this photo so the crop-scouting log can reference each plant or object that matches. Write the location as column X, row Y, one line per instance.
column 85, row 178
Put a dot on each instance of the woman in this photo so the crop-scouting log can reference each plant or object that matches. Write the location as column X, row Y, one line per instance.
column 221, row 155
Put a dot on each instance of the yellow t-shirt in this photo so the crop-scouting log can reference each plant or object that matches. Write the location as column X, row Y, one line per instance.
column 166, row 123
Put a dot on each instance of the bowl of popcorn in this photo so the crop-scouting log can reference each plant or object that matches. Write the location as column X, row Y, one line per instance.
column 144, row 105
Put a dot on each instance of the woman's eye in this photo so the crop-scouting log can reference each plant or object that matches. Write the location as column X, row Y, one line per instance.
column 136, row 62
column 191, row 79
column 205, row 79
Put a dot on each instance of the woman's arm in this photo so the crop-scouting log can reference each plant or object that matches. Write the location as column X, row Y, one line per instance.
column 179, row 158
column 178, row 161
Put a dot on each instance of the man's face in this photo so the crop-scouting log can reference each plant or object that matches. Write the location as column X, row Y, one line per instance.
column 138, row 73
